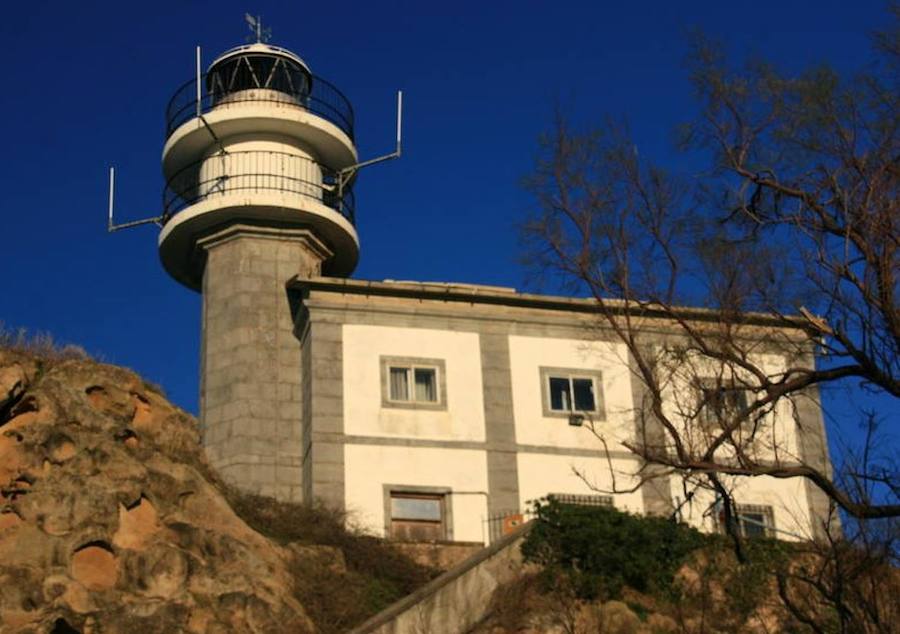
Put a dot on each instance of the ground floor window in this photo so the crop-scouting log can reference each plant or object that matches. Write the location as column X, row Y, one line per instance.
column 752, row 520
column 418, row 516
column 755, row 520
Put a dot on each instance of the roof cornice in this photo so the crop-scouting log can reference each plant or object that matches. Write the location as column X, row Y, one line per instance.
column 505, row 296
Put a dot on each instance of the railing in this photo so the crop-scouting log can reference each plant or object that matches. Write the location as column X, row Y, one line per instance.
column 255, row 171
column 322, row 99
column 499, row 524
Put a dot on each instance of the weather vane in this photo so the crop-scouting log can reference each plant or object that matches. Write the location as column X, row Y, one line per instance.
column 256, row 27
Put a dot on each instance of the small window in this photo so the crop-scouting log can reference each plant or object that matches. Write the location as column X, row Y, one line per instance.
column 417, row 516
column 720, row 402
column 571, row 391
column 572, row 394
column 753, row 520
column 413, row 383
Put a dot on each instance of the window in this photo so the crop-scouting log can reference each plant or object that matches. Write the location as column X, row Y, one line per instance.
column 755, row 520
column 417, row 513
column 719, row 401
column 568, row 392
column 413, row 383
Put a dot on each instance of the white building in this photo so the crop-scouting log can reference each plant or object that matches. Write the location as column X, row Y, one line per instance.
column 448, row 404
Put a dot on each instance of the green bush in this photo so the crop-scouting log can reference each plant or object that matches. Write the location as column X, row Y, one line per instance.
column 602, row 550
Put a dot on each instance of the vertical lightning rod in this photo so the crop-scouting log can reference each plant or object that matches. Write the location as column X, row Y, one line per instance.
column 399, row 118
column 199, row 94
column 112, row 189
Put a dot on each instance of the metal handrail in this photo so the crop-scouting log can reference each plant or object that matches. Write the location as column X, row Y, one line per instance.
column 256, row 171
column 322, row 99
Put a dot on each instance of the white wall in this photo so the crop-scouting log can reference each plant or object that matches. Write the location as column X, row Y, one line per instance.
column 363, row 414
column 528, row 354
column 369, row 467
column 776, row 438
column 790, row 505
column 540, row 474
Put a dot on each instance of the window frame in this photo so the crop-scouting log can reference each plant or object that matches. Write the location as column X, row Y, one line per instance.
column 411, row 364
column 405, row 490
column 596, row 377
column 767, row 513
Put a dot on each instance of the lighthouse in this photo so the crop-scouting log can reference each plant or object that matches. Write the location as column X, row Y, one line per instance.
column 258, row 160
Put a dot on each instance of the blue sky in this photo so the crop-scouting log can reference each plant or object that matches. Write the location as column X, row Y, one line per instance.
column 85, row 86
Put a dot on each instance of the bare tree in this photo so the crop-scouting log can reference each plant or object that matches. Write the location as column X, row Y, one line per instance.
column 786, row 247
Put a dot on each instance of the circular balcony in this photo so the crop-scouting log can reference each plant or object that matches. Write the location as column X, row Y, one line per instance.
column 262, row 187
column 256, row 171
column 315, row 95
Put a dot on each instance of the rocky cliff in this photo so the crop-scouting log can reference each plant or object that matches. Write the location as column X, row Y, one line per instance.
column 110, row 519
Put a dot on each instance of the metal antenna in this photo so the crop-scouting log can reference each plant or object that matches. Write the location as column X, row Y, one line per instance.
column 346, row 174
column 256, row 28
column 111, row 225
column 199, row 100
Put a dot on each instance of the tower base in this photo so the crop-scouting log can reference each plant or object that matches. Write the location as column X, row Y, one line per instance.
column 250, row 393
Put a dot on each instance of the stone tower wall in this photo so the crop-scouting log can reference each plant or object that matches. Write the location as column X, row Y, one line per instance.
column 251, row 394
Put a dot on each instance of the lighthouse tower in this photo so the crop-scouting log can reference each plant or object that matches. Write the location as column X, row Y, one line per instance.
column 255, row 159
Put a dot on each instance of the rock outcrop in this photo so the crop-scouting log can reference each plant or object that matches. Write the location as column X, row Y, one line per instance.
column 110, row 519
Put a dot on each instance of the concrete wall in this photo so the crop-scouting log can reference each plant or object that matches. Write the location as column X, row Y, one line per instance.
column 456, row 600
column 788, row 499
column 529, row 354
column 366, row 414
column 776, row 436
column 544, row 473
column 464, row 471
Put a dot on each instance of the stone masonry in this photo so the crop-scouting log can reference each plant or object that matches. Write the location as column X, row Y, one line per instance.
column 251, row 393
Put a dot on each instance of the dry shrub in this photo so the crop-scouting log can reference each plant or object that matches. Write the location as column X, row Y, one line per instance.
column 40, row 345
column 336, row 597
column 534, row 600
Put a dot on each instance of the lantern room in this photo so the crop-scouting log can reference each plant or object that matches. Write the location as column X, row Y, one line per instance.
column 259, row 72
